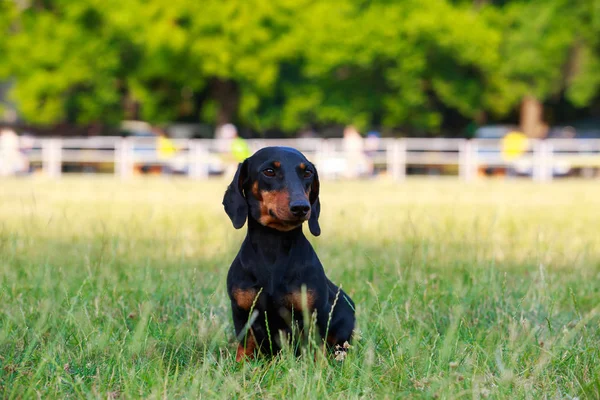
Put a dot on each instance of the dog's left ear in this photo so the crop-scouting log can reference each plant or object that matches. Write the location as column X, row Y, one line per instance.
column 234, row 200
column 315, row 207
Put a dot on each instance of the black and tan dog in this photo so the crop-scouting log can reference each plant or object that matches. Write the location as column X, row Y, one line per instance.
column 277, row 275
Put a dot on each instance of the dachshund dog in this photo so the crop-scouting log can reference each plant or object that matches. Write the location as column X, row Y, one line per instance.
column 276, row 276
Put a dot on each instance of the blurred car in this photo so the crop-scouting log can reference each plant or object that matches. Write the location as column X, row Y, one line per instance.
column 571, row 132
column 583, row 156
column 494, row 131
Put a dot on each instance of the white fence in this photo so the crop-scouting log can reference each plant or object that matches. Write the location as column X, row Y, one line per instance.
column 542, row 160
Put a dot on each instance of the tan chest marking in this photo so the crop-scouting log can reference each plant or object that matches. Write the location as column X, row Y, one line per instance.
column 244, row 298
column 294, row 300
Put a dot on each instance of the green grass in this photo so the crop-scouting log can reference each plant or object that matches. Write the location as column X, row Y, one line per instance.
column 113, row 289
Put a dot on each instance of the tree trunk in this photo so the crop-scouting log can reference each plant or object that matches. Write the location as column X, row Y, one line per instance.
column 131, row 107
column 532, row 123
column 226, row 94
column 480, row 3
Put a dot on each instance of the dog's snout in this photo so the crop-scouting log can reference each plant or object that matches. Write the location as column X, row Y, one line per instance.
column 299, row 208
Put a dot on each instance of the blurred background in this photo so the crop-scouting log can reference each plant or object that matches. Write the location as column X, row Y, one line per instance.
column 470, row 277
column 367, row 89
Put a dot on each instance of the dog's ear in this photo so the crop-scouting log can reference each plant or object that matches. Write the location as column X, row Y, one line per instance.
column 315, row 207
column 234, row 200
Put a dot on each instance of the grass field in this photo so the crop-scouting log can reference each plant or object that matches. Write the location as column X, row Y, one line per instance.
column 117, row 290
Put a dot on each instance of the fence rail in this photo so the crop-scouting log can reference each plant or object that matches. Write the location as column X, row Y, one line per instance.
column 542, row 160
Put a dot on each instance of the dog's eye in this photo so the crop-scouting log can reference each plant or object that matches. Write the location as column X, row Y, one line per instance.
column 308, row 173
column 270, row 172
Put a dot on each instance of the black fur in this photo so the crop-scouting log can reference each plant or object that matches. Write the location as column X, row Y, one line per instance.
column 278, row 262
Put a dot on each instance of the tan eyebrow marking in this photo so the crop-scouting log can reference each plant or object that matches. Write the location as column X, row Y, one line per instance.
column 277, row 164
column 302, row 165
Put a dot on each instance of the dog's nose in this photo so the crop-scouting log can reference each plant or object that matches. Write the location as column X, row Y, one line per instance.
column 299, row 208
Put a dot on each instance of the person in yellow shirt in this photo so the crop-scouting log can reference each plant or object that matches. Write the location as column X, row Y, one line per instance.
column 166, row 150
column 166, row 147
column 240, row 149
column 234, row 149
column 514, row 145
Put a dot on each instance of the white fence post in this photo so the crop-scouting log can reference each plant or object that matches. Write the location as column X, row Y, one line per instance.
column 396, row 159
column 389, row 153
column 542, row 161
column 467, row 160
column 117, row 155
column 474, row 159
column 548, row 157
column 327, row 153
column 320, row 150
column 462, row 159
column 124, row 158
column 536, row 161
column 52, row 157
column 198, row 160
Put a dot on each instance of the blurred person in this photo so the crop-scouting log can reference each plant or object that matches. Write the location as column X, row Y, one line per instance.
column 240, row 149
column 371, row 149
column 224, row 135
column 568, row 132
column 234, row 147
column 513, row 146
column 12, row 160
column 166, row 150
column 27, row 142
column 357, row 163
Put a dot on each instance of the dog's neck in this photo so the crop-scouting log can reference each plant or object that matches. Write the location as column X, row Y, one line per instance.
column 270, row 244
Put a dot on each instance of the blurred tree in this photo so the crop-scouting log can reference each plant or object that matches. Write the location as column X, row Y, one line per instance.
column 65, row 62
column 388, row 63
column 162, row 74
column 226, row 53
column 288, row 64
column 583, row 69
column 7, row 15
column 549, row 47
column 242, row 46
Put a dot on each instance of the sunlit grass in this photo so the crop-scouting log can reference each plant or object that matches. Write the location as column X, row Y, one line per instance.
column 112, row 289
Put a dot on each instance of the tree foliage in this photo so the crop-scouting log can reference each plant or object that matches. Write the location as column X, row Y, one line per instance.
column 288, row 64
column 548, row 47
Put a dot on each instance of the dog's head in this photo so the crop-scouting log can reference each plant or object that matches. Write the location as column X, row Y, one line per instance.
column 278, row 187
